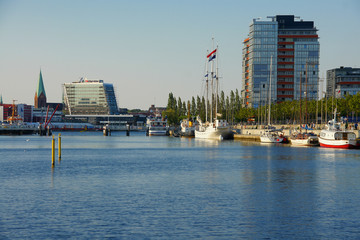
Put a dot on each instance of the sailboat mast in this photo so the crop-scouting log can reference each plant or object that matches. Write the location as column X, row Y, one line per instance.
column 212, row 91
column 207, row 90
column 217, row 83
column 306, row 80
column 300, row 100
column 270, row 91
column 212, row 86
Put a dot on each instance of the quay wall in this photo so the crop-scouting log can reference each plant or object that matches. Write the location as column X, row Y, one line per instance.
column 251, row 132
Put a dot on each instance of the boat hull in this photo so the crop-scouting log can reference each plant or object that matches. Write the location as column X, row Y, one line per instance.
column 189, row 133
column 346, row 144
column 214, row 133
column 310, row 141
column 157, row 133
column 267, row 139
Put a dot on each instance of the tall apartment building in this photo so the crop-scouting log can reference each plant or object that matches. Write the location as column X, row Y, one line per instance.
column 342, row 81
column 290, row 47
column 89, row 97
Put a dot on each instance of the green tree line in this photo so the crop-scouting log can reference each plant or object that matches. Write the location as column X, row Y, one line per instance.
column 287, row 112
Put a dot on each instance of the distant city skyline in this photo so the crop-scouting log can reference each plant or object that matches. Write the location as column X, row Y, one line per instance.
column 148, row 49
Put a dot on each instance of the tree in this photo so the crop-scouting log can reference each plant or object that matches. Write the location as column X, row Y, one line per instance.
column 193, row 109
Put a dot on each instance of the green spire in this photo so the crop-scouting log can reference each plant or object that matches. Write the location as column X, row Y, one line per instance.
column 40, row 88
column 1, row 101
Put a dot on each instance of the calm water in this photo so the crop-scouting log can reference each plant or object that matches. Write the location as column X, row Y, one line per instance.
column 142, row 187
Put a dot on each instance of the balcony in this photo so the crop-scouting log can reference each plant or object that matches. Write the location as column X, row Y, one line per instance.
column 285, row 49
column 285, row 89
column 285, row 56
column 285, row 96
column 285, row 76
column 285, row 43
column 283, row 82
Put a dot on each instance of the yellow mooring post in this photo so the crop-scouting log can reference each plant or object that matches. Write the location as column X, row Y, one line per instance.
column 53, row 152
column 59, row 147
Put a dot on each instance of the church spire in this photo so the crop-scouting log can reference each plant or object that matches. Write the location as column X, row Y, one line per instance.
column 40, row 87
column 40, row 95
column 1, row 101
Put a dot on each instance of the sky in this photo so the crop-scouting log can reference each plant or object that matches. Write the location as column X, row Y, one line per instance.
column 149, row 48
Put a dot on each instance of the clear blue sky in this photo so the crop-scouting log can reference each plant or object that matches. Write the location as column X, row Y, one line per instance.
column 150, row 48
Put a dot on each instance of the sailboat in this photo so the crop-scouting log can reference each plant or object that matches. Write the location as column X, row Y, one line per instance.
column 307, row 138
column 271, row 135
column 214, row 128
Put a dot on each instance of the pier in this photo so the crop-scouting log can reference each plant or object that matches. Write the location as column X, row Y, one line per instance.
column 18, row 130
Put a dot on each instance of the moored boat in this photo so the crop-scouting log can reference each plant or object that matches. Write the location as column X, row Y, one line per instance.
column 216, row 130
column 187, row 129
column 333, row 137
column 212, row 128
column 304, row 139
column 272, row 136
column 156, row 126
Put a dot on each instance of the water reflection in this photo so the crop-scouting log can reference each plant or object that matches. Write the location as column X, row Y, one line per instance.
column 183, row 188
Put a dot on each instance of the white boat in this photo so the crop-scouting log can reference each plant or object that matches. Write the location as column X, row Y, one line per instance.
column 333, row 137
column 187, row 129
column 214, row 128
column 156, row 126
column 304, row 139
column 272, row 136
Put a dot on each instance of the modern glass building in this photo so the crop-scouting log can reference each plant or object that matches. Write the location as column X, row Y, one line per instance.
column 89, row 97
column 282, row 51
column 342, row 81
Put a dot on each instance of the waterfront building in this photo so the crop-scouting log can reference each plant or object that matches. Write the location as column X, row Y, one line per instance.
column 5, row 111
column 25, row 112
column 342, row 81
column 40, row 95
column 22, row 111
column 156, row 110
column 290, row 47
column 89, row 97
column 42, row 114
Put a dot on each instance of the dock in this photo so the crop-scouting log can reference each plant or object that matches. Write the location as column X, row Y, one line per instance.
column 253, row 138
column 18, row 130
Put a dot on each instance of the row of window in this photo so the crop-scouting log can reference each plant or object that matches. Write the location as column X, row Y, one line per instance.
column 297, row 32
column 265, row 40
column 285, row 92
column 350, row 86
column 257, row 47
column 264, row 26
column 307, row 47
column 347, row 79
